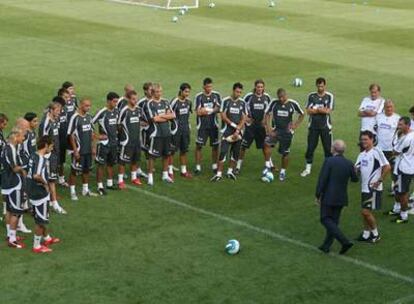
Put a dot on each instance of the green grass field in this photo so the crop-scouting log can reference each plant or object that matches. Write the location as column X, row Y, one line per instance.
column 145, row 245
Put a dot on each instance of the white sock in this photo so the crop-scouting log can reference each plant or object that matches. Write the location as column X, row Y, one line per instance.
column 229, row 170
column 4, row 208
column 120, row 178
column 271, row 163
column 72, row 189
column 139, row 171
column 61, row 179
column 397, row 207
column 183, row 169
column 404, row 215
column 308, row 167
column 282, row 171
column 375, row 232
column 239, row 164
column 47, row 237
column 366, row 234
column 109, row 182
column 164, row 174
column 214, row 166
column 85, row 188
column 12, row 236
column 133, row 175
column 36, row 241
column 20, row 223
column 150, row 178
column 198, row 167
column 219, row 173
column 170, row 169
column 100, row 185
column 268, row 164
column 8, row 230
column 54, row 203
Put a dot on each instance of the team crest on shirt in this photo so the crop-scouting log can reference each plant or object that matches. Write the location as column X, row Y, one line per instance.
column 385, row 126
column 364, row 163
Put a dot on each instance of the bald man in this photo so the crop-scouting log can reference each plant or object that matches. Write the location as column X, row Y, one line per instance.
column 23, row 161
column 123, row 101
column 332, row 195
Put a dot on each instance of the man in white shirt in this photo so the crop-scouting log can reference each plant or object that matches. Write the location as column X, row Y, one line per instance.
column 403, row 169
column 412, row 117
column 370, row 107
column 373, row 167
column 387, row 123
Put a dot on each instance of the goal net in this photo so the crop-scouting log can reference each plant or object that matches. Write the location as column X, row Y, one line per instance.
column 165, row 4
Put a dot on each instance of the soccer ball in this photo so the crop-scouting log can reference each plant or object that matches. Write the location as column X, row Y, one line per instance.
column 267, row 177
column 212, row 5
column 271, row 4
column 297, row 82
column 174, row 19
column 232, row 247
column 182, row 12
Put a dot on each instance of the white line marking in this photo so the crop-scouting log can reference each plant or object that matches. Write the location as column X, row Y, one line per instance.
column 278, row 236
column 407, row 299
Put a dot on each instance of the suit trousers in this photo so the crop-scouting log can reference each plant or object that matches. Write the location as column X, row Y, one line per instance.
column 330, row 216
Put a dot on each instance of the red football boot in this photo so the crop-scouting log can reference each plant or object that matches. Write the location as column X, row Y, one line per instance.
column 187, row 175
column 16, row 245
column 122, row 185
column 136, row 182
column 51, row 241
column 42, row 249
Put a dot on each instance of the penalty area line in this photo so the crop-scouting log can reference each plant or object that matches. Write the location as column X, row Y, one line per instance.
column 275, row 235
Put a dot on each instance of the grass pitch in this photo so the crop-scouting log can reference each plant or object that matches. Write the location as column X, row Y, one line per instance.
column 139, row 246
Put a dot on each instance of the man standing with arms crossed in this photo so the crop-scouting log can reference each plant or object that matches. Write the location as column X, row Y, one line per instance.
column 319, row 108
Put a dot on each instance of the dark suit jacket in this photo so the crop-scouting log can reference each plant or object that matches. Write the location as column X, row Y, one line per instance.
column 332, row 186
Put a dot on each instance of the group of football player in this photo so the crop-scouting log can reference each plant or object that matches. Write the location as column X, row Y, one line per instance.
column 33, row 156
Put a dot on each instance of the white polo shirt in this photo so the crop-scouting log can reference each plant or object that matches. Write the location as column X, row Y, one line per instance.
column 405, row 160
column 367, row 104
column 370, row 164
column 386, row 127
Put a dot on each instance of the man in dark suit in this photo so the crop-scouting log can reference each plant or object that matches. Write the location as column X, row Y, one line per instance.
column 332, row 195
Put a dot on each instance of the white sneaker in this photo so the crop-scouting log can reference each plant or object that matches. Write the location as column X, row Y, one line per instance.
column 58, row 209
column 168, row 180
column 24, row 229
column 305, row 173
column 74, row 197
column 89, row 193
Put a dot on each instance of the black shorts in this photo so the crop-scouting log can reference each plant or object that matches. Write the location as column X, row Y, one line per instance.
column 84, row 164
column 389, row 155
column 14, row 199
column 371, row 200
column 41, row 211
column 254, row 132
column 181, row 142
column 128, row 154
column 283, row 138
column 234, row 148
column 204, row 134
column 53, row 167
column 62, row 155
column 144, row 139
column 160, row 146
column 402, row 182
column 106, row 155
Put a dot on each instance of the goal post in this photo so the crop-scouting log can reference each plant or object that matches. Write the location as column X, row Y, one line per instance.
column 163, row 4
